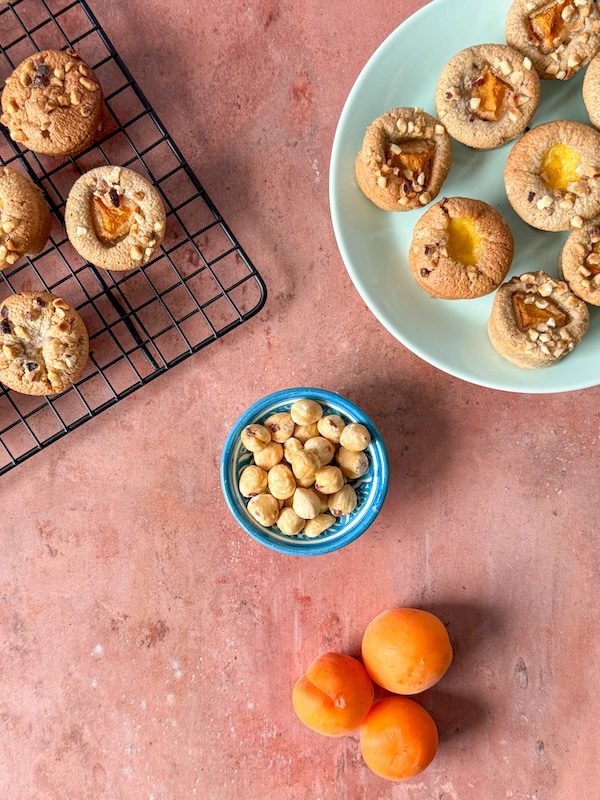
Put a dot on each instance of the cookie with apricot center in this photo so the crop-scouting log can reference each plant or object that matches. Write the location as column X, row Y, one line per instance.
column 461, row 249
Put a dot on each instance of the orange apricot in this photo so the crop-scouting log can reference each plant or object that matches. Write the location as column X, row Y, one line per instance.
column 406, row 650
column 334, row 695
column 398, row 738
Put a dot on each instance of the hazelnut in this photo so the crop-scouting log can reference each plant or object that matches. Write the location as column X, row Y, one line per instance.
column 289, row 523
column 331, row 427
column 270, row 455
column 322, row 448
column 343, row 502
column 320, row 523
column 305, row 465
column 355, row 437
column 352, row 463
column 305, row 432
column 290, row 447
column 281, row 482
column 255, row 437
column 264, row 508
column 324, row 501
column 253, row 481
column 305, row 412
column 281, row 426
column 306, row 503
column 329, row 480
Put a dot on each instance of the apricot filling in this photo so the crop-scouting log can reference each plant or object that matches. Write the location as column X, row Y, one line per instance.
column 528, row 315
column 111, row 222
column 559, row 167
column 464, row 243
column 549, row 28
column 491, row 91
column 414, row 157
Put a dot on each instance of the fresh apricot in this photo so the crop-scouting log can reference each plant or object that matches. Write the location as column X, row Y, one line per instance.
column 334, row 695
column 398, row 738
column 406, row 650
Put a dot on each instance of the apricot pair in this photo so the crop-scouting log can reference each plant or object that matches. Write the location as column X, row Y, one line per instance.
column 405, row 651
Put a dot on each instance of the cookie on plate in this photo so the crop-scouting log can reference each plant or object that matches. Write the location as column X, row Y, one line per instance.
column 552, row 175
column 115, row 219
column 43, row 343
column 579, row 262
column 404, row 160
column 52, row 103
column 25, row 220
column 461, row 249
column 591, row 91
column 487, row 95
column 559, row 37
column 536, row 321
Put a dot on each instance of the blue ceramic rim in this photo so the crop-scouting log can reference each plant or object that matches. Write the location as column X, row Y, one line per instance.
column 379, row 468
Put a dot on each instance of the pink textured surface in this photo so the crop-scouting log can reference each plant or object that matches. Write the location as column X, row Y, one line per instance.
column 148, row 647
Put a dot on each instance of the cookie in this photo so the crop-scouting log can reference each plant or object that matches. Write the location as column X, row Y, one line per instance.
column 487, row 95
column 25, row 220
column 536, row 321
column 591, row 91
column 43, row 343
column 404, row 160
column 52, row 103
column 579, row 262
column 461, row 249
column 552, row 175
column 114, row 218
column 559, row 37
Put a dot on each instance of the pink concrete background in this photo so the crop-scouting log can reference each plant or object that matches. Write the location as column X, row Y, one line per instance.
column 148, row 646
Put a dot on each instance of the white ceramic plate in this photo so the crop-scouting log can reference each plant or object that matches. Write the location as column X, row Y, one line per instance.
column 451, row 335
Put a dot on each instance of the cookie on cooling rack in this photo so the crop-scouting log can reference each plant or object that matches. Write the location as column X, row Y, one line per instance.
column 115, row 219
column 43, row 343
column 52, row 103
column 24, row 218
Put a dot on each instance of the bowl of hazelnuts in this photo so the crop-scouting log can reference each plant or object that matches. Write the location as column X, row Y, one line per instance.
column 304, row 471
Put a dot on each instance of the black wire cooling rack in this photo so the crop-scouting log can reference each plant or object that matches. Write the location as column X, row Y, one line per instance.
column 198, row 286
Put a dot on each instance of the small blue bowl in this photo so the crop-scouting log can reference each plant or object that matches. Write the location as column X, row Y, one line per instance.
column 370, row 489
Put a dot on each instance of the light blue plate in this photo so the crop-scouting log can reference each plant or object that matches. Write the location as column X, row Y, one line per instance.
column 370, row 489
column 451, row 335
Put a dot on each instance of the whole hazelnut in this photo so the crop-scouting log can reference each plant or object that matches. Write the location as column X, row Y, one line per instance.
column 304, row 465
column 306, row 503
column 281, row 426
column 329, row 480
column 317, row 525
column 322, row 448
column 264, row 508
column 255, row 437
column 343, row 502
column 281, row 482
column 270, row 455
column 290, row 447
column 355, row 437
column 305, row 432
column 324, row 501
column 305, row 411
column 331, row 427
column 253, row 481
column 289, row 523
column 352, row 463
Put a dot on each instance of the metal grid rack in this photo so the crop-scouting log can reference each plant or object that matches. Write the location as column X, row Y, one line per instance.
column 198, row 286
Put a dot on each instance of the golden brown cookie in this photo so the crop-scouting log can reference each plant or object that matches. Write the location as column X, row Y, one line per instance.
column 591, row 91
column 487, row 95
column 404, row 160
column 580, row 262
column 115, row 219
column 52, row 103
column 25, row 220
column 461, row 249
column 536, row 321
column 43, row 343
column 552, row 175
column 559, row 37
